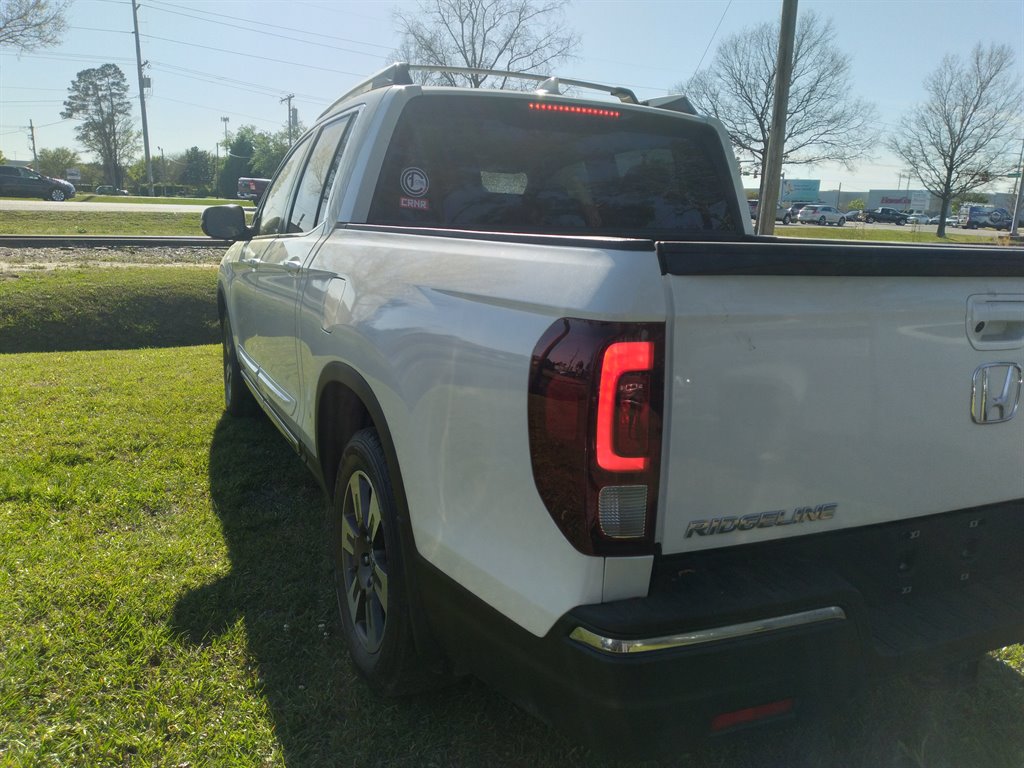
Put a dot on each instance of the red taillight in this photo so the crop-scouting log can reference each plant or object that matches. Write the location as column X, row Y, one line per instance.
column 595, row 401
column 623, row 407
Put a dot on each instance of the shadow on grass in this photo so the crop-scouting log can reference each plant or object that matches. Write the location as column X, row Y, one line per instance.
column 279, row 588
column 272, row 516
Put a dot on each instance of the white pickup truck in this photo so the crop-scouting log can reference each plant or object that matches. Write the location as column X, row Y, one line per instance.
column 585, row 436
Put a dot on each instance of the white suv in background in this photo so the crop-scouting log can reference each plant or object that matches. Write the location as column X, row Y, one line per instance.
column 821, row 214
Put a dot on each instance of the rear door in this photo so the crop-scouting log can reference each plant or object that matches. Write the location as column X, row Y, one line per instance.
column 278, row 278
column 820, row 387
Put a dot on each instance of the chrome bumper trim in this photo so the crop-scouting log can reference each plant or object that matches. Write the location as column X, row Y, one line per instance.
column 701, row 636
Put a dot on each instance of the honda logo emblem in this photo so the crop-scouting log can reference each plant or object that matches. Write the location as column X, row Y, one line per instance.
column 996, row 392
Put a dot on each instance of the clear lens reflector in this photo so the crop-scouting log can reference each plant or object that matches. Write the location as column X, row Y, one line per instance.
column 622, row 511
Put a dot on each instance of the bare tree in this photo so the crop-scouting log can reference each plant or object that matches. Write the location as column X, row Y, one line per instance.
column 29, row 24
column 959, row 139
column 824, row 123
column 511, row 35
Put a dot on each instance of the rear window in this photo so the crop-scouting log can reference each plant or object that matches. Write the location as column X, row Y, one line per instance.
column 504, row 164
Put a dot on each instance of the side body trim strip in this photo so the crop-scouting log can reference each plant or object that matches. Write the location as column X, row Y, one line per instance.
column 814, row 258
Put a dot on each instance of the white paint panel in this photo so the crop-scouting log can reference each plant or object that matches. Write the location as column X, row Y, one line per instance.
column 443, row 330
column 791, row 392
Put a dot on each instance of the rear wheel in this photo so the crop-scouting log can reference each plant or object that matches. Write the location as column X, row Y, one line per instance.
column 842, row 221
column 369, row 572
column 238, row 400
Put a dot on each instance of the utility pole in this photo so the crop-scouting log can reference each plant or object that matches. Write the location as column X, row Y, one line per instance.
column 32, row 136
column 227, row 149
column 163, row 172
column 1020, row 188
column 777, row 138
column 142, row 98
column 289, row 98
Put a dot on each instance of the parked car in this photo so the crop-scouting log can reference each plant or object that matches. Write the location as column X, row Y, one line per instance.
column 794, row 209
column 821, row 215
column 918, row 217
column 950, row 221
column 886, row 215
column 975, row 216
column 252, row 188
column 781, row 212
column 24, row 182
column 855, row 215
column 107, row 190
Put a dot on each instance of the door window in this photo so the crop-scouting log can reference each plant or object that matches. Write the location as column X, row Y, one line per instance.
column 279, row 193
column 317, row 179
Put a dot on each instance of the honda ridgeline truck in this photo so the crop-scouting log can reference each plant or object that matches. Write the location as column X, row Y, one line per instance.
column 585, row 436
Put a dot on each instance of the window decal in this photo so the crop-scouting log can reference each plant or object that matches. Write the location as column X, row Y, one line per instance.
column 414, row 183
column 415, row 203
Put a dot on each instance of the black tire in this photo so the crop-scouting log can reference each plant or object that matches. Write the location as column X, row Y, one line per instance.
column 900, row 222
column 842, row 221
column 238, row 400
column 787, row 219
column 869, row 220
column 57, row 195
column 369, row 571
column 822, row 221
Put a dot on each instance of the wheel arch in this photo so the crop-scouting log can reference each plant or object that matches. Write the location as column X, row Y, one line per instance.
column 346, row 404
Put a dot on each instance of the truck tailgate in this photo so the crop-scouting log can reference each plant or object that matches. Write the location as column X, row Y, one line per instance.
column 814, row 388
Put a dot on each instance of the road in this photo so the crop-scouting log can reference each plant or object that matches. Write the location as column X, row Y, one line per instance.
column 73, row 205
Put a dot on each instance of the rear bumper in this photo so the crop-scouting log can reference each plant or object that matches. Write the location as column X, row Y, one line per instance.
column 722, row 633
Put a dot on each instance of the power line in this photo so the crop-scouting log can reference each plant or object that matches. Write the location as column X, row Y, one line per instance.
column 156, row 6
column 194, row 74
column 25, row 88
column 249, row 54
column 214, row 109
column 82, row 57
column 713, row 36
column 346, row 13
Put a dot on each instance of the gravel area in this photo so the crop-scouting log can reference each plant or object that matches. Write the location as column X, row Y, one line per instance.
column 14, row 260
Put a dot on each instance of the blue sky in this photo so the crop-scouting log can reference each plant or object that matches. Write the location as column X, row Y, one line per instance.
column 238, row 58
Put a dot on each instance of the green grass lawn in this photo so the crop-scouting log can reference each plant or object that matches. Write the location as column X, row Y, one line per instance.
column 165, row 597
column 71, row 222
column 105, row 308
column 89, row 197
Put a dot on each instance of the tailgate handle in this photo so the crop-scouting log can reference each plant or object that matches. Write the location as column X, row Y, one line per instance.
column 995, row 322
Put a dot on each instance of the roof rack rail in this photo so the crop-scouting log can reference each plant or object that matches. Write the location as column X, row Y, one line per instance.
column 400, row 74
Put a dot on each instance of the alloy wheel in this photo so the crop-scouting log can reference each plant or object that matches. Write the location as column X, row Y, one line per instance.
column 364, row 561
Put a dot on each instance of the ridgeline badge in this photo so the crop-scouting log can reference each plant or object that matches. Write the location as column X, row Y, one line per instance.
column 717, row 525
